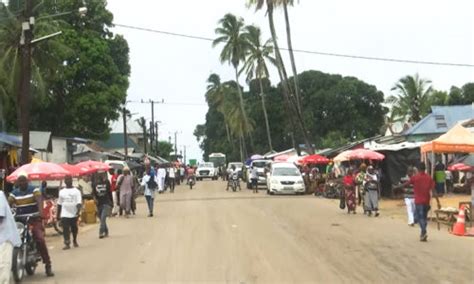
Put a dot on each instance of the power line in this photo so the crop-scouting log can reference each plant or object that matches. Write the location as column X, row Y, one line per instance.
column 170, row 103
column 451, row 64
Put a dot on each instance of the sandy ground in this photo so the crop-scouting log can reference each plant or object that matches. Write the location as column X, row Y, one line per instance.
column 210, row 235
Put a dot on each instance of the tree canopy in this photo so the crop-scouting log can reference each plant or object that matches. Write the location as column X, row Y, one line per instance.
column 84, row 72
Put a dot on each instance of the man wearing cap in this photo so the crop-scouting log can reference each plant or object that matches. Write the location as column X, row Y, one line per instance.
column 28, row 201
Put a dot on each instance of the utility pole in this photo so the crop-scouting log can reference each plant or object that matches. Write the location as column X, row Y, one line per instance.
column 184, row 155
column 125, row 139
column 152, row 125
column 156, row 137
column 23, row 96
column 176, row 144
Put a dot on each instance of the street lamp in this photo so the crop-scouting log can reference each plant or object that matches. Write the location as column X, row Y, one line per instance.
column 26, row 43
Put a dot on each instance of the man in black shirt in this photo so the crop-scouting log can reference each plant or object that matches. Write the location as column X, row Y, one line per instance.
column 103, row 198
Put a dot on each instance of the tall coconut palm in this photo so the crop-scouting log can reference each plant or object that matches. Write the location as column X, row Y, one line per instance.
column 290, row 101
column 230, row 33
column 237, row 125
column 285, row 4
column 255, row 66
column 412, row 98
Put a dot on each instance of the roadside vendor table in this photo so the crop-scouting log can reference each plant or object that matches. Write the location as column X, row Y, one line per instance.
column 447, row 217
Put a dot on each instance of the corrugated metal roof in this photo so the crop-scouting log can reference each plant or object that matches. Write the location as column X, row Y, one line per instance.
column 441, row 119
column 115, row 141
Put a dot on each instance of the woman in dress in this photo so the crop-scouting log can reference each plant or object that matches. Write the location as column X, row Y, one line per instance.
column 349, row 191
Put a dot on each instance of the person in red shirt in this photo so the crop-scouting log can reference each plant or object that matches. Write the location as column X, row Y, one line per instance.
column 349, row 191
column 423, row 185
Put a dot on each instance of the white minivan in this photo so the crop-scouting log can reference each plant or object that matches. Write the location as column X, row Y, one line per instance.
column 285, row 178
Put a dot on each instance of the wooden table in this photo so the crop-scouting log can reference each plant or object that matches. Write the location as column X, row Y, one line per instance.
column 446, row 217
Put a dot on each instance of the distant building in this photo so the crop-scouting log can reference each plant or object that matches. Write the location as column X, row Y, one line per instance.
column 439, row 121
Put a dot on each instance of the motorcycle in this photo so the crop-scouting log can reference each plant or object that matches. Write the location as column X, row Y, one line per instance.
column 235, row 182
column 191, row 182
column 25, row 257
column 49, row 211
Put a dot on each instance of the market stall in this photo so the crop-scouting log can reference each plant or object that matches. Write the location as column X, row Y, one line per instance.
column 457, row 140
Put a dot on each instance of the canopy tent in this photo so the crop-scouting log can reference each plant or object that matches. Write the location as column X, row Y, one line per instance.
column 456, row 140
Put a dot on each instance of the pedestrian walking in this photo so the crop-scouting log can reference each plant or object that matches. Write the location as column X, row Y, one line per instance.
column 423, row 186
column 350, row 192
column 28, row 201
column 103, row 198
column 125, row 186
column 69, row 207
column 161, row 175
column 9, row 238
column 113, row 187
column 171, row 177
column 360, row 190
column 182, row 173
column 148, row 181
column 254, row 178
column 409, row 197
column 372, row 192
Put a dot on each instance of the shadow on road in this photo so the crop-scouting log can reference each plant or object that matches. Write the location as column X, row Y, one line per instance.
column 232, row 198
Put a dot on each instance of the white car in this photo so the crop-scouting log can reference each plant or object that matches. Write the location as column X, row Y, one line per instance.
column 206, row 170
column 285, row 178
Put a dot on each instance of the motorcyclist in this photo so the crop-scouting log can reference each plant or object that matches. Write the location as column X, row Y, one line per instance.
column 28, row 200
column 190, row 174
column 233, row 174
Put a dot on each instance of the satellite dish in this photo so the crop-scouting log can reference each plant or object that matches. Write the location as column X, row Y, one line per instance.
column 397, row 127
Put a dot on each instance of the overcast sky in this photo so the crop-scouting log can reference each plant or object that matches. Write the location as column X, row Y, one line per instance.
column 175, row 69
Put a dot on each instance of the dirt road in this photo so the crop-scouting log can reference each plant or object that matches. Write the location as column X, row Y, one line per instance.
column 210, row 235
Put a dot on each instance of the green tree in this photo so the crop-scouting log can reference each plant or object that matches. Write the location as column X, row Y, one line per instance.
column 83, row 73
column 255, row 66
column 164, row 149
column 230, row 33
column 412, row 98
column 215, row 95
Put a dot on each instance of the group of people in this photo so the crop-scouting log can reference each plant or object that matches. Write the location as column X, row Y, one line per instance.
column 362, row 188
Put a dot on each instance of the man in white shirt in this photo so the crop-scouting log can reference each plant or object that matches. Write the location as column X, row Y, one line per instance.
column 171, row 177
column 9, row 238
column 69, row 207
column 161, row 178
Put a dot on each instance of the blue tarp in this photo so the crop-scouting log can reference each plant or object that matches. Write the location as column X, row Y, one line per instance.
column 9, row 139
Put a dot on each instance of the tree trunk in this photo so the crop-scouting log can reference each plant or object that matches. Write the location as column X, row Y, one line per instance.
column 241, row 98
column 228, row 132
column 286, row 89
column 241, row 145
column 267, row 124
column 292, row 57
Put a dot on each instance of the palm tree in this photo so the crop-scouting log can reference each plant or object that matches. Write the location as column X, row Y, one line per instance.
column 142, row 123
column 215, row 95
column 290, row 101
column 255, row 66
column 235, row 48
column 285, row 4
column 412, row 99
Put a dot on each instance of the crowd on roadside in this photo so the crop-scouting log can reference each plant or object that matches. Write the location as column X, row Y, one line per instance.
column 114, row 193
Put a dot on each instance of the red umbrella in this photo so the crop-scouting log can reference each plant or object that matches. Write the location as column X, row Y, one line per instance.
column 314, row 159
column 39, row 171
column 77, row 171
column 460, row 167
column 364, row 154
column 94, row 165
